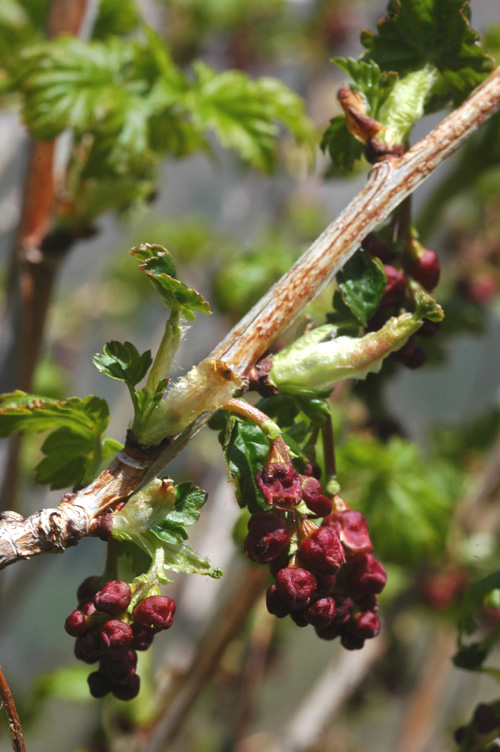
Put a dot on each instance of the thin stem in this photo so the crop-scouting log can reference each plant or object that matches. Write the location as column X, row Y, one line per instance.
column 263, row 421
column 329, row 451
column 166, row 352
column 15, row 729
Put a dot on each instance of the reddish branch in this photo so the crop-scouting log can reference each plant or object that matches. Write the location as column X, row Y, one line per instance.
column 388, row 184
column 15, row 730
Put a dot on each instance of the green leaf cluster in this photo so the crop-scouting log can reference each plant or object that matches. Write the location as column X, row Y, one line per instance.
column 154, row 519
column 76, row 445
column 407, row 500
column 362, row 282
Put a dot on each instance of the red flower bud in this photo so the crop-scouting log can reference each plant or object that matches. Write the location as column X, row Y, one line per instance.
column 141, row 638
column 155, row 613
column 113, row 597
column 312, row 493
column 114, row 634
column 76, row 623
column 425, row 268
column 322, row 551
column 366, row 576
column 129, row 690
column 88, row 589
column 295, row 586
column 395, row 287
column 119, row 665
column 99, row 684
column 366, row 625
column 275, row 603
column 321, row 613
column 268, row 536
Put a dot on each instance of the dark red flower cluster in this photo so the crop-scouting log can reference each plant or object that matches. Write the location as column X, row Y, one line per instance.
column 284, row 488
column 422, row 264
column 106, row 633
column 332, row 580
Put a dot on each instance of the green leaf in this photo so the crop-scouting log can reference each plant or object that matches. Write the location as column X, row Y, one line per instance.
column 185, row 512
column 243, row 112
column 417, row 32
column 245, row 450
column 344, row 150
column 183, row 558
column 122, row 361
column 362, row 282
column 370, row 80
column 69, row 459
column 28, row 413
column 408, row 502
column 159, row 266
column 115, row 17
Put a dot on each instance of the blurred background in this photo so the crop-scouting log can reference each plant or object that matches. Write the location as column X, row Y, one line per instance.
column 234, row 231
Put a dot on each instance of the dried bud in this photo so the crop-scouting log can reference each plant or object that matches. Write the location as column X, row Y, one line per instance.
column 280, row 486
column 113, row 597
column 312, row 493
column 366, row 576
column 155, row 613
column 295, row 586
column 322, row 551
column 268, row 536
column 352, row 530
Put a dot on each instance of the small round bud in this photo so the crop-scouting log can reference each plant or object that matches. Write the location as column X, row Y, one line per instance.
column 343, row 609
column 75, row 624
column 155, row 613
column 459, row 734
column 376, row 247
column 411, row 355
column 295, row 586
column 129, row 690
column 395, row 287
column 114, row 634
column 268, row 536
column 89, row 647
column 366, row 576
column 88, row 589
column 331, row 632
column 322, row 551
column 113, row 597
column 141, row 638
column 312, row 493
column 366, row 625
column 425, row 269
column 299, row 618
column 275, row 603
column 485, row 719
column 351, row 642
column 99, row 684
column 321, row 613
column 119, row 665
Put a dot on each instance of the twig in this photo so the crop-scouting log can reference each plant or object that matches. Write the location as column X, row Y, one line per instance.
column 33, row 270
column 15, row 730
column 229, row 622
column 388, row 184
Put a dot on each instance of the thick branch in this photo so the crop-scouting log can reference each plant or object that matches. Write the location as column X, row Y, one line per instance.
column 388, row 184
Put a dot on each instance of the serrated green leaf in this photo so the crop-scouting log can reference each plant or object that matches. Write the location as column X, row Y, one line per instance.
column 175, row 294
column 28, row 413
column 185, row 512
column 122, row 361
column 362, row 282
column 147, row 251
column 408, row 502
column 245, row 450
column 438, row 32
column 243, row 112
column 344, row 150
column 69, row 457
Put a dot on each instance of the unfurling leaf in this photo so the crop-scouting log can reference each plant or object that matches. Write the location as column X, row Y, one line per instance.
column 317, row 360
column 159, row 266
column 188, row 501
column 122, row 361
column 245, row 449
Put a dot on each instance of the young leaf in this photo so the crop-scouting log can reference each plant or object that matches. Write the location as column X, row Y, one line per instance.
column 185, row 512
column 437, row 32
column 370, row 80
column 27, row 413
column 69, row 458
column 245, row 450
column 344, row 150
column 362, row 282
column 159, row 266
column 121, row 361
